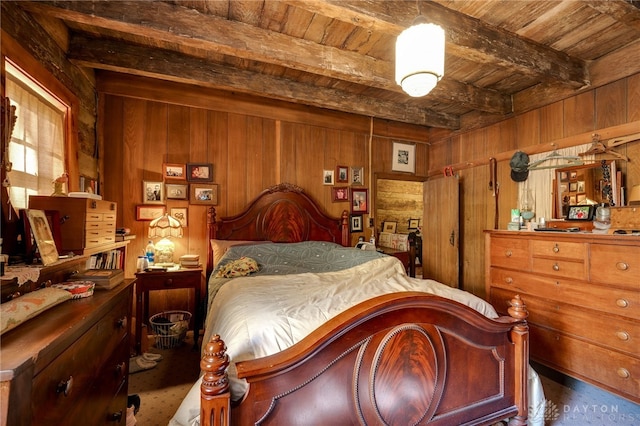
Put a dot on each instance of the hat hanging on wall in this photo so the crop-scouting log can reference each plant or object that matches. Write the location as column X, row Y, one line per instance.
column 519, row 166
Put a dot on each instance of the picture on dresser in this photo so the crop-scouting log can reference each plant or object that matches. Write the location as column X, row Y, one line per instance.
column 43, row 236
column 152, row 192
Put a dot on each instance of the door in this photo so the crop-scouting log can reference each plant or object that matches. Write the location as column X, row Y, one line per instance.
column 441, row 230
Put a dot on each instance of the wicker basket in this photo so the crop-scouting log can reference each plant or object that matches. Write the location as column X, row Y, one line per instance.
column 170, row 328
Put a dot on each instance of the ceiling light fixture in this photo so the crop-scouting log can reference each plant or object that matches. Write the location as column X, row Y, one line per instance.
column 420, row 57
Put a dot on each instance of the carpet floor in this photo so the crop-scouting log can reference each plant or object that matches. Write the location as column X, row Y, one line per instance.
column 570, row 402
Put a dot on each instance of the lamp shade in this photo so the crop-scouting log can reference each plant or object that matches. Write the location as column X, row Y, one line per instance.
column 165, row 226
column 634, row 195
column 420, row 58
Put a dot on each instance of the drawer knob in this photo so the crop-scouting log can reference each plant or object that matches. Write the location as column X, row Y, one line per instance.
column 168, row 282
column 623, row 373
column 508, row 253
column 556, row 267
column 64, row 386
column 622, row 335
column 117, row 416
column 508, row 280
column 556, row 249
column 622, row 266
column 122, row 322
column 120, row 369
column 622, row 303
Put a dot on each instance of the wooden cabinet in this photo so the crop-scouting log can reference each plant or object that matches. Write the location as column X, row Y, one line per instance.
column 86, row 223
column 583, row 296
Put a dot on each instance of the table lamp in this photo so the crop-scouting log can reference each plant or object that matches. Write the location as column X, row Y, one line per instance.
column 165, row 227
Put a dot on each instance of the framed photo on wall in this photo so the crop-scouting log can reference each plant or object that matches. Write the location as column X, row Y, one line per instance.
column 173, row 171
column 357, row 176
column 342, row 174
column 204, row 194
column 340, row 193
column 359, row 200
column 149, row 212
column 180, row 213
column 356, row 223
column 152, row 192
column 414, row 223
column 199, row 172
column 327, row 177
column 177, row 191
column 403, row 158
column 389, row 227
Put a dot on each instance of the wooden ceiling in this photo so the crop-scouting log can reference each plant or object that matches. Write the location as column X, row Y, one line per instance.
column 502, row 56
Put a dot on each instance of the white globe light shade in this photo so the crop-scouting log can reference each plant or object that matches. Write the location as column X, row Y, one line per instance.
column 420, row 58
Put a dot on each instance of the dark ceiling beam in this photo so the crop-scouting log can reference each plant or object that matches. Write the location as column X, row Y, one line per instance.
column 175, row 24
column 152, row 62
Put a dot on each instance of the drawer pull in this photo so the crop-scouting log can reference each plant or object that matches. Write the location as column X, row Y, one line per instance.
column 622, row 335
column 556, row 249
column 117, row 416
column 622, row 303
column 122, row 322
column 508, row 280
column 65, row 386
column 623, row 373
column 508, row 253
column 168, row 282
column 622, row 266
column 556, row 267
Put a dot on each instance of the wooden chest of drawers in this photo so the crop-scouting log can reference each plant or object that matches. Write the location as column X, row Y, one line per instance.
column 583, row 296
column 70, row 364
column 86, row 223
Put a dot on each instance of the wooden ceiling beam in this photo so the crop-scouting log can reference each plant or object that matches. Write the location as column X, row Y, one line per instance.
column 152, row 62
column 207, row 32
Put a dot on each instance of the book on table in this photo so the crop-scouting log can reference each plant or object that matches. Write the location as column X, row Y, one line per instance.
column 103, row 278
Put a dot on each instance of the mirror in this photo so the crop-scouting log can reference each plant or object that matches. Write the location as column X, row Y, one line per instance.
column 593, row 184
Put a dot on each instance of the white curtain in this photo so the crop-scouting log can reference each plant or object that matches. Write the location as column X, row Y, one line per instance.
column 36, row 150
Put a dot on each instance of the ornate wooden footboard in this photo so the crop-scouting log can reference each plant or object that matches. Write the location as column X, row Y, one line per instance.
column 398, row 359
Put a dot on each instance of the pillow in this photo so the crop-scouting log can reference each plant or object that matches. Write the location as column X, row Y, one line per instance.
column 16, row 311
column 220, row 247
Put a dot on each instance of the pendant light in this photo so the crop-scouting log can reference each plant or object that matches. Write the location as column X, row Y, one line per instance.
column 420, row 57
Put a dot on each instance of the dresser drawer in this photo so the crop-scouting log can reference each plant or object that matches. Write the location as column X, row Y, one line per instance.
column 560, row 268
column 559, row 249
column 612, row 370
column 510, row 253
column 615, row 264
column 606, row 299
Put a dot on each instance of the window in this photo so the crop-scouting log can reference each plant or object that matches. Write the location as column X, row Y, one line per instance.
column 37, row 146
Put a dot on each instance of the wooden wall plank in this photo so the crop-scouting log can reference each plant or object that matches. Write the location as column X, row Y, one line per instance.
column 579, row 114
column 611, row 104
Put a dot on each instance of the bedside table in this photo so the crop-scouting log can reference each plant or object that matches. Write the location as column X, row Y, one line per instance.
column 166, row 280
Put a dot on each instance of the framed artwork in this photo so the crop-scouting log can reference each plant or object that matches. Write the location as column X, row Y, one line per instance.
column 180, row 213
column 340, row 193
column 580, row 186
column 149, row 212
column 177, row 191
column 43, row 236
column 200, row 172
column 357, row 176
column 356, row 223
column 573, row 186
column 580, row 213
column 327, row 177
column 152, row 192
column 573, row 175
column 389, row 227
column 204, row 194
column 414, row 223
column 172, row 171
column 342, row 173
column 359, row 200
column 404, row 157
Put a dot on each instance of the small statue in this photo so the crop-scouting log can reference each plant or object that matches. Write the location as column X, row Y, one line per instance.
column 59, row 185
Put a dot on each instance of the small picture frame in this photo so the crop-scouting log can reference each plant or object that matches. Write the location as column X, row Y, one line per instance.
column 340, row 194
column 342, row 174
column 389, row 227
column 359, row 200
column 403, row 158
column 357, row 175
column 356, row 223
column 180, row 213
column 573, row 187
column 43, row 236
column 573, row 175
column 173, row 171
column 204, row 194
column 414, row 224
column 148, row 213
column 327, row 177
column 580, row 212
column 152, row 192
column 177, row 191
column 199, row 172
column 581, row 186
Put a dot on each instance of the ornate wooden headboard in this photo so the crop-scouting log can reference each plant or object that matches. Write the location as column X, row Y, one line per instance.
column 281, row 213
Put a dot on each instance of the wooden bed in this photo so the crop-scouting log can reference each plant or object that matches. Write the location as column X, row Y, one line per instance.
column 397, row 359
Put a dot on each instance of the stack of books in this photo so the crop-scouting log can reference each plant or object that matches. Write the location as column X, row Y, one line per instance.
column 104, row 279
column 190, row 261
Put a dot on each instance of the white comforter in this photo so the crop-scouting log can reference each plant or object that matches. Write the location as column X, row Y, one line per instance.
column 300, row 303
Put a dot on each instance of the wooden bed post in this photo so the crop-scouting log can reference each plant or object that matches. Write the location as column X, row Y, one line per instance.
column 215, row 397
column 520, row 338
column 211, row 235
column 346, row 239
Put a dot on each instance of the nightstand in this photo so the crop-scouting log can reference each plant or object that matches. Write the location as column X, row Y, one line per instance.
column 166, row 280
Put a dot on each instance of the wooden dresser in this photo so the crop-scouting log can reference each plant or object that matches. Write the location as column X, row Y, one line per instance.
column 70, row 364
column 86, row 223
column 583, row 296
